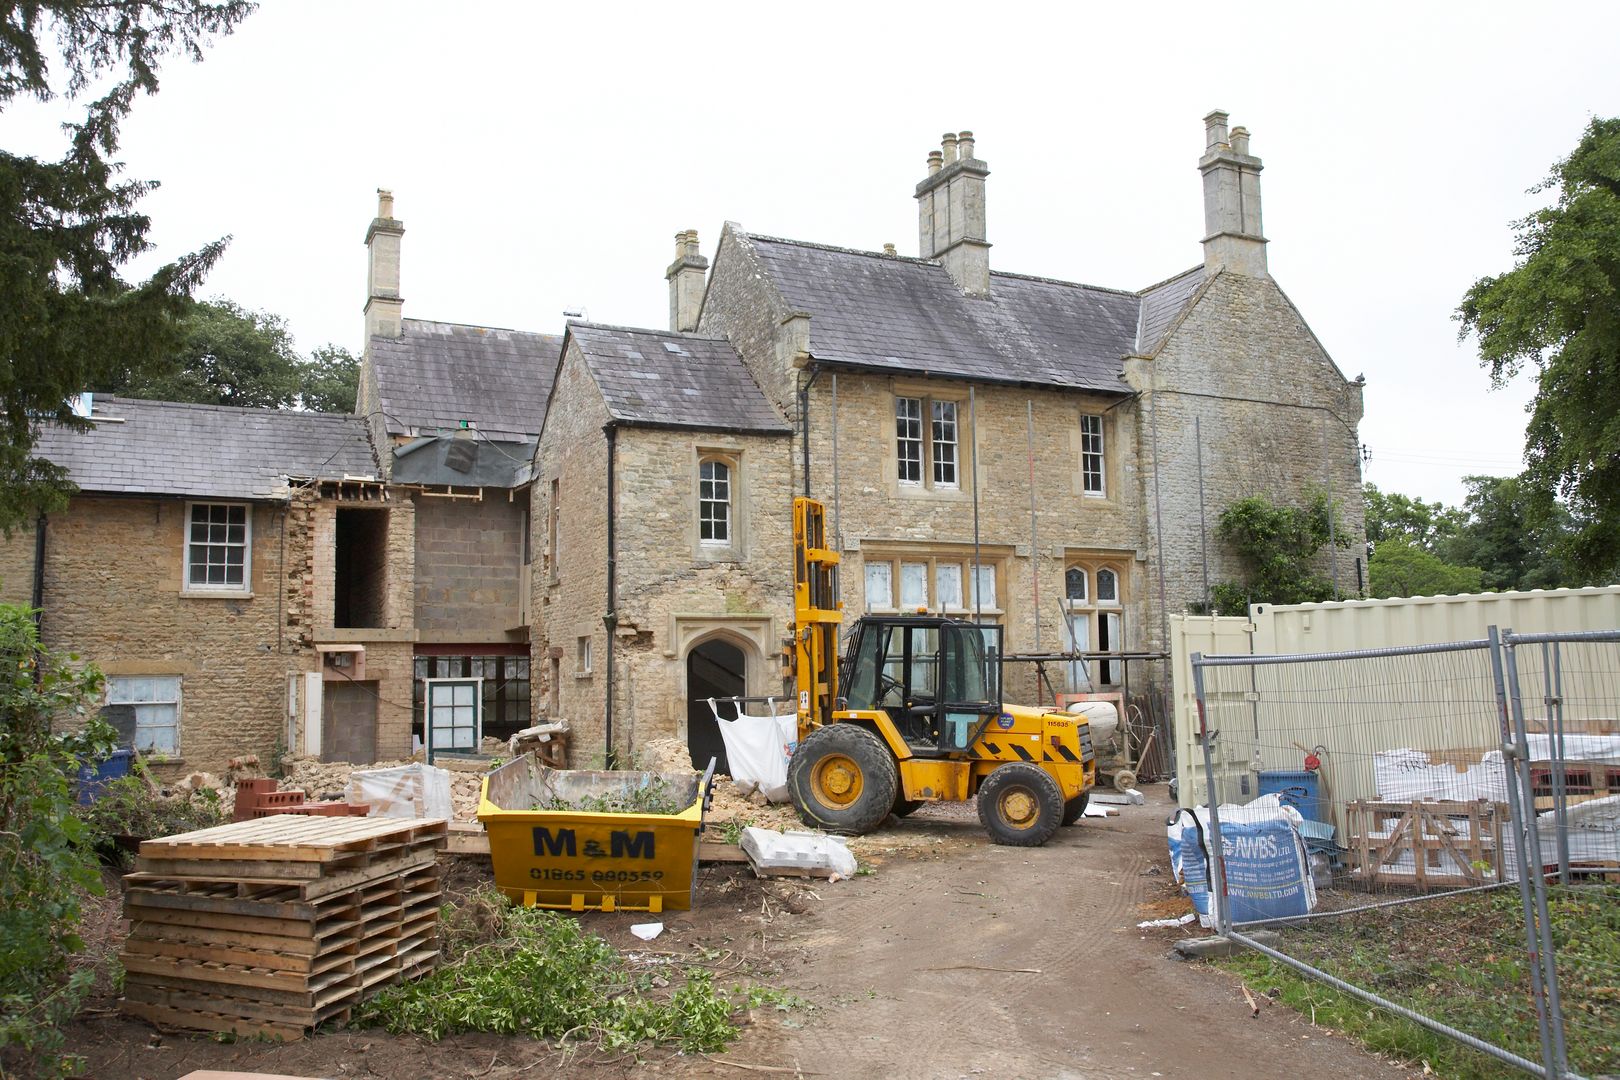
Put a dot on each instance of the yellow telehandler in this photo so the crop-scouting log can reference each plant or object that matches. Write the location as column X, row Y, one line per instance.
column 914, row 714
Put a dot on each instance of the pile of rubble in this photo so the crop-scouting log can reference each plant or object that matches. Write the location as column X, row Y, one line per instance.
column 330, row 780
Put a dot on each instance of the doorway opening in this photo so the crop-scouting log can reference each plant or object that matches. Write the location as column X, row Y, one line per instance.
column 714, row 669
column 361, row 579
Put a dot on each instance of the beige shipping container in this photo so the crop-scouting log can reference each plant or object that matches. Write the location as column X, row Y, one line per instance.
column 1443, row 705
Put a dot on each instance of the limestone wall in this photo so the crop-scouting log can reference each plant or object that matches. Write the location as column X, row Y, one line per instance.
column 1277, row 419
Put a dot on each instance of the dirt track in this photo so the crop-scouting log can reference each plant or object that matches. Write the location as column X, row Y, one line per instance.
column 912, row 972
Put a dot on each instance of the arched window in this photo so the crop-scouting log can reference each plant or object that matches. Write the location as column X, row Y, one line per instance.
column 1107, row 586
column 714, row 502
column 1074, row 585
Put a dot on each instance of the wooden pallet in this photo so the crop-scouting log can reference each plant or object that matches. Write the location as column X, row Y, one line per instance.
column 1449, row 844
column 274, row 926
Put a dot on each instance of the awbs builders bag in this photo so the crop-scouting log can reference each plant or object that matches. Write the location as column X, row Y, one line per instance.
column 1267, row 871
column 758, row 748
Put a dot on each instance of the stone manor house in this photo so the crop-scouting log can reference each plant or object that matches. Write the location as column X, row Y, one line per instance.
column 596, row 525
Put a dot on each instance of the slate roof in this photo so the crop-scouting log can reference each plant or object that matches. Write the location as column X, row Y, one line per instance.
column 436, row 375
column 1161, row 304
column 206, row 451
column 663, row 379
column 881, row 311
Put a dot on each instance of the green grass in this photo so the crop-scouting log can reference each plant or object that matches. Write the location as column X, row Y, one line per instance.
column 1460, row 960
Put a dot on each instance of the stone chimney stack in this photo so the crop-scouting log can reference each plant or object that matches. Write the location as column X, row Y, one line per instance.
column 950, row 213
column 687, row 275
column 384, row 306
column 1233, row 238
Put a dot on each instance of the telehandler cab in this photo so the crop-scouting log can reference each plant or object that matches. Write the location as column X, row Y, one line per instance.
column 914, row 714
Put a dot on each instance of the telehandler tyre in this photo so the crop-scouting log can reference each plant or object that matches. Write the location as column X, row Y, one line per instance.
column 843, row 779
column 1020, row 805
column 1075, row 807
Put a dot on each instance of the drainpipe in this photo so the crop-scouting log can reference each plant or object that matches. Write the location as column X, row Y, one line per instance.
column 804, row 422
column 39, row 567
column 611, row 619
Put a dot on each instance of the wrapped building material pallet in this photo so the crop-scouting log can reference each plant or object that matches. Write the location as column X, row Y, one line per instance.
column 273, row 926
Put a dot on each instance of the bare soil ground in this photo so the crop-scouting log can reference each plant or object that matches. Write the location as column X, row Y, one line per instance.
column 954, row 958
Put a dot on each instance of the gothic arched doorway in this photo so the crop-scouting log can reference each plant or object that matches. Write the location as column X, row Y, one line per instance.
column 715, row 668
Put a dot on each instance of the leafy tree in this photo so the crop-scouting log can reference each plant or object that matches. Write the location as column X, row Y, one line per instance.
column 67, row 226
column 46, row 858
column 1514, row 535
column 227, row 356
column 1559, row 309
column 331, row 379
column 1394, row 516
column 1278, row 547
column 1401, row 568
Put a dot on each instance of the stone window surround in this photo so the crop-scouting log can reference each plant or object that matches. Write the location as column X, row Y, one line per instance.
column 1110, row 479
column 243, row 591
column 1093, row 609
column 929, row 392
column 991, row 558
column 734, row 549
column 553, row 528
column 584, row 661
column 1094, row 420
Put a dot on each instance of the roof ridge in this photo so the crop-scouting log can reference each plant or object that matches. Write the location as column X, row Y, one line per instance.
column 208, row 406
column 647, row 331
column 1173, row 277
column 846, row 250
column 1060, row 281
column 476, row 326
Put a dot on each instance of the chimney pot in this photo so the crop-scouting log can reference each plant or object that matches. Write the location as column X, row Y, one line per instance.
column 964, row 143
column 935, row 159
column 888, row 249
column 949, row 143
column 1240, row 141
column 1214, row 129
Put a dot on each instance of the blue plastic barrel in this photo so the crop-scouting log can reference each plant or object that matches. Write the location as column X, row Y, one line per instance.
column 1299, row 789
column 92, row 778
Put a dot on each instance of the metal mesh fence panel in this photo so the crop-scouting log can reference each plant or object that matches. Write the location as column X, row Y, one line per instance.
column 1394, row 760
column 1565, row 697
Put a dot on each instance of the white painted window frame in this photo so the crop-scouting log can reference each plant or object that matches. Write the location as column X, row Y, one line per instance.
column 205, row 589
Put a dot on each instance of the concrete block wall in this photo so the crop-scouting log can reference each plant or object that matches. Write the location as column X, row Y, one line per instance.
column 469, row 555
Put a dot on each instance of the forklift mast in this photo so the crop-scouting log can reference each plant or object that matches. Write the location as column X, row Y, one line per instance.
column 817, row 613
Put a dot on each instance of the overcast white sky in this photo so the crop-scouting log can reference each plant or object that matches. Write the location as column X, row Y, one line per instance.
column 543, row 156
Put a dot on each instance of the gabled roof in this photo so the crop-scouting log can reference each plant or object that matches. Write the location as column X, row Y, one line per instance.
column 870, row 310
column 206, row 451
column 436, row 375
column 1161, row 304
column 659, row 378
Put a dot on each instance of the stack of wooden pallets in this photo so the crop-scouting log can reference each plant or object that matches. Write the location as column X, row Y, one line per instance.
column 273, row 926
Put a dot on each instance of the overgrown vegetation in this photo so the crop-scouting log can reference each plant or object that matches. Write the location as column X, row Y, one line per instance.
column 1277, row 547
column 657, row 796
column 526, row 971
column 1463, row 964
column 47, row 862
column 132, row 806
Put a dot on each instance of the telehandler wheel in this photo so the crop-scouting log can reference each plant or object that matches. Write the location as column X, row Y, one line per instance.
column 1020, row 805
column 843, row 779
column 1075, row 807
